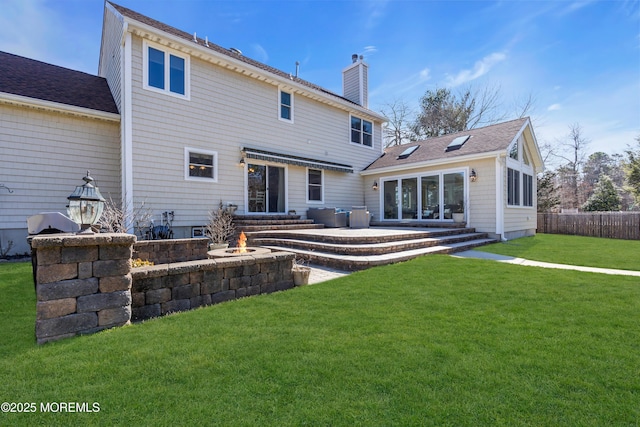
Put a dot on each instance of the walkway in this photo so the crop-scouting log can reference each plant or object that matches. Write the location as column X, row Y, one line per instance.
column 522, row 261
column 321, row 274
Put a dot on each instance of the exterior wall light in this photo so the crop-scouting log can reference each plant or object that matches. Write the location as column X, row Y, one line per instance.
column 473, row 176
column 85, row 205
column 374, row 187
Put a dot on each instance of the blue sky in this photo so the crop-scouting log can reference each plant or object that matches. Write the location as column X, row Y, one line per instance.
column 579, row 59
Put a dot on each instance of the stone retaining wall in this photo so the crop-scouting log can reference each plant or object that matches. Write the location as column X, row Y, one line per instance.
column 174, row 250
column 162, row 289
column 83, row 283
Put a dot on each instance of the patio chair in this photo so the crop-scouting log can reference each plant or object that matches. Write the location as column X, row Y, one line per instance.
column 359, row 217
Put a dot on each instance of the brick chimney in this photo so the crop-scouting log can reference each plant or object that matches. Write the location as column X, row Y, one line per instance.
column 355, row 81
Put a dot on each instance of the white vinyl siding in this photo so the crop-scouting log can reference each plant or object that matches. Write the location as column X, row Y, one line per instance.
column 45, row 155
column 228, row 111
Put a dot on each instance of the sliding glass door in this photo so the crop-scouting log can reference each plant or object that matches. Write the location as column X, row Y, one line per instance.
column 266, row 189
column 429, row 197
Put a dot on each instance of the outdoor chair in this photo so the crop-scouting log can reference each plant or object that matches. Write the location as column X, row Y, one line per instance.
column 359, row 217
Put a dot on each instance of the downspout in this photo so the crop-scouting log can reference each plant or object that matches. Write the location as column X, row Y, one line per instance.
column 126, row 126
column 500, row 197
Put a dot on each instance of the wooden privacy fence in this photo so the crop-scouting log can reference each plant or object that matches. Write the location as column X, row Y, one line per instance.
column 614, row 225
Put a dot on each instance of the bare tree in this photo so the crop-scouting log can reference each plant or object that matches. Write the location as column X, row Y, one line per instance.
column 399, row 116
column 572, row 151
column 443, row 112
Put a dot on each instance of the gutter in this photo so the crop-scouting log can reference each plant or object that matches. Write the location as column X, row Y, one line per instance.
column 25, row 101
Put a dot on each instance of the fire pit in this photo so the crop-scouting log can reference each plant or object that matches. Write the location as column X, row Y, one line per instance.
column 242, row 249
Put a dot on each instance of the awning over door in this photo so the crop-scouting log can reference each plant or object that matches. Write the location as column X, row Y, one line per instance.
column 252, row 153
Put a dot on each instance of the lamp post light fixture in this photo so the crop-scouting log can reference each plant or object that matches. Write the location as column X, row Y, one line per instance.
column 86, row 205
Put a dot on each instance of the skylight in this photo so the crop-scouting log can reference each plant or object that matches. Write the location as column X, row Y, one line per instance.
column 406, row 153
column 457, row 143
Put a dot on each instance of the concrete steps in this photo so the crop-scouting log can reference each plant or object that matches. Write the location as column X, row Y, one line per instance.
column 352, row 250
column 253, row 223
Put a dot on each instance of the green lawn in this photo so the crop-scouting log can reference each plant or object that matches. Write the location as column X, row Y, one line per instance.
column 434, row 341
column 575, row 250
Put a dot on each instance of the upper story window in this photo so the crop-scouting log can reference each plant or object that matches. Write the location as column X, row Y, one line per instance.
column 314, row 185
column 166, row 71
column 201, row 164
column 361, row 131
column 286, row 105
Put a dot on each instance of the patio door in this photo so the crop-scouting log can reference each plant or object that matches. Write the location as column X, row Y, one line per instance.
column 430, row 197
column 266, row 189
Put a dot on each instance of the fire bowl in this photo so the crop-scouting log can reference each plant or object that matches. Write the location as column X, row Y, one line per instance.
column 233, row 252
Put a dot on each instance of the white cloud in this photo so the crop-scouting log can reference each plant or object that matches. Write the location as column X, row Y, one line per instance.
column 401, row 86
column 479, row 69
column 554, row 107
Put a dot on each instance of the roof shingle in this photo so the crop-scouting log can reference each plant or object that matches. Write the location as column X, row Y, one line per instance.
column 39, row 80
column 483, row 140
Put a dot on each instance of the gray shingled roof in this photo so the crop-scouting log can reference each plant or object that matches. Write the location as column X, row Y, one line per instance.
column 483, row 140
column 39, row 80
column 219, row 49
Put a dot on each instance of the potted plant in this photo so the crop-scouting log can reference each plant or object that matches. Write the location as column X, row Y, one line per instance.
column 458, row 213
column 301, row 273
column 220, row 227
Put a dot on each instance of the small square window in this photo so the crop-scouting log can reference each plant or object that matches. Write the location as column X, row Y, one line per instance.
column 201, row 165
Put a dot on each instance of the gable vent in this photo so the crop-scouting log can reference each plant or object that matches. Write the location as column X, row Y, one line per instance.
column 457, row 143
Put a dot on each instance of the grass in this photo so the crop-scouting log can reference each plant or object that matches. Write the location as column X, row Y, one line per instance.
column 434, row 341
column 574, row 250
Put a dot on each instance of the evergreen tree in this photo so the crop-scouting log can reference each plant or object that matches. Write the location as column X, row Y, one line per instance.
column 548, row 197
column 632, row 171
column 605, row 197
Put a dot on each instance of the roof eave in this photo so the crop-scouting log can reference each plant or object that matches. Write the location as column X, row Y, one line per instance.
column 25, row 101
column 200, row 51
column 434, row 162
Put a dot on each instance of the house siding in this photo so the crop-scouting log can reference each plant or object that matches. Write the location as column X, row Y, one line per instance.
column 44, row 157
column 111, row 53
column 226, row 112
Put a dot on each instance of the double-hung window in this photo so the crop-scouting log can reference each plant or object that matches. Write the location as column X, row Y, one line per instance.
column 201, row 165
column 166, row 71
column 286, row 105
column 527, row 190
column 513, row 187
column 314, row 185
column 361, row 131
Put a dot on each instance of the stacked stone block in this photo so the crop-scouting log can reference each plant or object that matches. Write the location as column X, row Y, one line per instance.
column 83, row 283
column 162, row 289
column 174, row 250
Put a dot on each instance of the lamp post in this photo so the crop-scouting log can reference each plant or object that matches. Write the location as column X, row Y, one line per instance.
column 86, row 205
